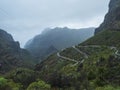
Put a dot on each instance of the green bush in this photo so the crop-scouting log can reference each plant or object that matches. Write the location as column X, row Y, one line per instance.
column 9, row 84
column 40, row 85
column 14, row 86
column 107, row 88
column 23, row 76
column 3, row 82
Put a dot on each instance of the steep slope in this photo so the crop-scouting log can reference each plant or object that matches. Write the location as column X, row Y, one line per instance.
column 106, row 37
column 109, row 31
column 58, row 38
column 70, row 69
column 112, row 18
column 11, row 55
column 95, row 64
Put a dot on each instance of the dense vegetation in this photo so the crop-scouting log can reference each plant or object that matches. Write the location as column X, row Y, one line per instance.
column 98, row 72
column 95, row 73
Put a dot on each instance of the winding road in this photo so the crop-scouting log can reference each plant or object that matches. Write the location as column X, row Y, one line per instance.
column 66, row 58
column 98, row 46
column 73, row 60
column 84, row 54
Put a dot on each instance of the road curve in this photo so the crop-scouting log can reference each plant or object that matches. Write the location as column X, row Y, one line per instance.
column 73, row 60
column 66, row 58
column 84, row 54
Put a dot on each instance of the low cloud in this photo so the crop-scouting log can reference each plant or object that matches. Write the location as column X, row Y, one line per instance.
column 26, row 18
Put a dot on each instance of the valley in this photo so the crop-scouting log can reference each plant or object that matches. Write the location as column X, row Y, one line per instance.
column 64, row 58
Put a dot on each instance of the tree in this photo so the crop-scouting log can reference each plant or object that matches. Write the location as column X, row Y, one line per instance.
column 40, row 85
column 3, row 82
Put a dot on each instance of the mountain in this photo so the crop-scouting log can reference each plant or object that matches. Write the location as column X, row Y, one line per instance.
column 91, row 65
column 112, row 18
column 109, row 31
column 11, row 55
column 52, row 40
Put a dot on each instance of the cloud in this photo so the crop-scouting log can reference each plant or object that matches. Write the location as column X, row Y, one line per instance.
column 30, row 17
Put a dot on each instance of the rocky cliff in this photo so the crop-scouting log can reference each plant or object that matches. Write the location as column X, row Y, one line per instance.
column 112, row 18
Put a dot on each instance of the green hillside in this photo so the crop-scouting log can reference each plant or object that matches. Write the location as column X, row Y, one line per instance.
column 85, row 74
column 106, row 37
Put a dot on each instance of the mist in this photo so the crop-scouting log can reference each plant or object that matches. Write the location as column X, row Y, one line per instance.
column 26, row 18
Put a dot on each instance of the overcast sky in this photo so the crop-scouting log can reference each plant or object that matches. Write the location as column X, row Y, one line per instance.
column 26, row 18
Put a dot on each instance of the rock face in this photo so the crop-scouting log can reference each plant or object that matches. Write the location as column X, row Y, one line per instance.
column 112, row 18
column 55, row 39
column 11, row 55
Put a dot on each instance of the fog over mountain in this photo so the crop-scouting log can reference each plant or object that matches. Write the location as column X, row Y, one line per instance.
column 30, row 17
column 53, row 40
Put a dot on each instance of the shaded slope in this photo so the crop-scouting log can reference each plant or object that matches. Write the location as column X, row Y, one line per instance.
column 58, row 38
column 11, row 55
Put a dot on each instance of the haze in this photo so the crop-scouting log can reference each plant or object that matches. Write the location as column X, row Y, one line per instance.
column 27, row 18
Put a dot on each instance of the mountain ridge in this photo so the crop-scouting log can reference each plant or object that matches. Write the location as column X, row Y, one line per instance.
column 58, row 38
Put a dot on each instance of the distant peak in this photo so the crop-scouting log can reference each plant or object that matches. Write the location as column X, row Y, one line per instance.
column 61, row 28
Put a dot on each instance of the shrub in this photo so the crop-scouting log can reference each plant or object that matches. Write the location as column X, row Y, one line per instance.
column 40, row 85
column 3, row 82
column 9, row 85
column 14, row 86
column 107, row 88
column 23, row 76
